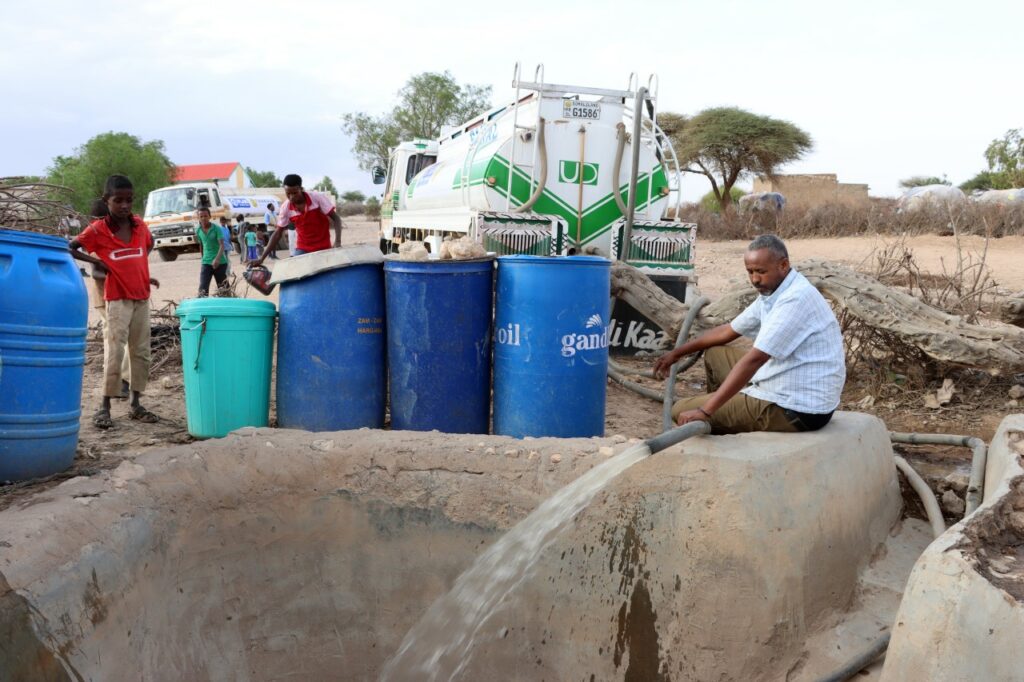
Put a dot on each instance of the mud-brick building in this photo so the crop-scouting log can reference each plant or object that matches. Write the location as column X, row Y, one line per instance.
column 814, row 189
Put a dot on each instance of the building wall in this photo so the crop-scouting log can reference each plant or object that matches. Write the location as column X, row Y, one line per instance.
column 814, row 189
column 238, row 178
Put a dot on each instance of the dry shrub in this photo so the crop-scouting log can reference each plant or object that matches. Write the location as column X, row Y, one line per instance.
column 878, row 216
column 34, row 206
column 964, row 287
column 351, row 208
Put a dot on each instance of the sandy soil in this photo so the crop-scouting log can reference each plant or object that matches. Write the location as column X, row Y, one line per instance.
column 720, row 264
column 719, row 267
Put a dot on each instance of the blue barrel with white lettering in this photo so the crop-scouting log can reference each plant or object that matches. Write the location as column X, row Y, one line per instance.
column 439, row 344
column 44, row 311
column 331, row 348
column 551, row 346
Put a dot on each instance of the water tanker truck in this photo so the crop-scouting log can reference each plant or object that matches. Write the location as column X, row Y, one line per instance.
column 170, row 211
column 556, row 171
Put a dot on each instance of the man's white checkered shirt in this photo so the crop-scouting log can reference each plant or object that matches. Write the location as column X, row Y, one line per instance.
column 796, row 327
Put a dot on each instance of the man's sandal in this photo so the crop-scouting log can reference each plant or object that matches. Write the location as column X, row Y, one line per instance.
column 141, row 414
column 102, row 420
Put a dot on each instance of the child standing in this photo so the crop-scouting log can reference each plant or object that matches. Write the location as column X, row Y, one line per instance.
column 122, row 243
column 214, row 261
column 251, row 248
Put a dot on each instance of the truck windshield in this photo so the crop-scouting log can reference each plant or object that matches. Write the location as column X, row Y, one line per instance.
column 166, row 201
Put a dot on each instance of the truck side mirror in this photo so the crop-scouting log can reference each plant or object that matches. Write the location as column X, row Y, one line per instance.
column 380, row 174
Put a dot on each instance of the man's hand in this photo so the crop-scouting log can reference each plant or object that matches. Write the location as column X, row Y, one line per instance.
column 337, row 241
column 255, row 263
column 664, row 364
column 155, row 282
column 692, row 416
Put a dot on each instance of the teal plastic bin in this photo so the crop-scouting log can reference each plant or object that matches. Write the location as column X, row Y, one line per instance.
column 227, row 346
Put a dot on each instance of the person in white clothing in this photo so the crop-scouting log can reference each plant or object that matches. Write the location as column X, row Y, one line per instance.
column 792, row 379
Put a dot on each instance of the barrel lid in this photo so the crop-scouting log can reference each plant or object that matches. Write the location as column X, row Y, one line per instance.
column 33, row 239
column 226, row 307
column 309, row 264
column 436, row 266
column 554, row 260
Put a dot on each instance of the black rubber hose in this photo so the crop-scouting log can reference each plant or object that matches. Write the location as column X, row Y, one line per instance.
column 862, row 661
column 677, row 435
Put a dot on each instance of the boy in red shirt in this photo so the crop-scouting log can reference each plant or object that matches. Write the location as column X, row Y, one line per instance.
column 123, row 243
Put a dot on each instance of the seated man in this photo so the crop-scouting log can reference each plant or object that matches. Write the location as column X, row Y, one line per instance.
column 792, row 378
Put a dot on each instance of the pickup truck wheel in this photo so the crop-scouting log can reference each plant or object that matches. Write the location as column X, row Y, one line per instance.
column 167, row 254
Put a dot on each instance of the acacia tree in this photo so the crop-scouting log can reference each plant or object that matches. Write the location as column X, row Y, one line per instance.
column 353, row 195
column 725, row 144
column 426, row 104
column 85, row 172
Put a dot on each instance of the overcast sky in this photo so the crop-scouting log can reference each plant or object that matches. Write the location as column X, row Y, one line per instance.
column 887, row 89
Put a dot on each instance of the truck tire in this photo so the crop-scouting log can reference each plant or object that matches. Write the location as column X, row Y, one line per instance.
column 167, row 255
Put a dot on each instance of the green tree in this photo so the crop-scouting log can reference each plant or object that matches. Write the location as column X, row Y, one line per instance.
column 326, row 185
column 982, row 181
column 426, row 104
column 263, row 178
column 86, row 171
column 353, row 195
column 923, row 180
column 709, row 202
column 725, row 144
column 373, row 207
column 1006, row 160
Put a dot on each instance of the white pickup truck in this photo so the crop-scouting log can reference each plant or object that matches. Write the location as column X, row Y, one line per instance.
column 170, row 212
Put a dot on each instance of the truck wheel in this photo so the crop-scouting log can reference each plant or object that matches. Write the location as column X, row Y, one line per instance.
column 167, row 255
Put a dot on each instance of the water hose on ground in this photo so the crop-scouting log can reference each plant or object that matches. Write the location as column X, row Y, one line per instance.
column 979, row 458
column 862, row 661
column 938, row 524
column 617, row 376
column 543, row 179
column 670, row 383
column 931, row 505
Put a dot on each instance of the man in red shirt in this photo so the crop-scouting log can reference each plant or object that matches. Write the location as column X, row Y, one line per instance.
column 312, row 214
column 122, row 243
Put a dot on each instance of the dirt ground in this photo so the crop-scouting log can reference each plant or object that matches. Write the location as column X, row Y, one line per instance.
column 977, row 411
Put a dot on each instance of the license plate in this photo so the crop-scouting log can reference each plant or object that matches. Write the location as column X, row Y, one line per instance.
column 572, row 108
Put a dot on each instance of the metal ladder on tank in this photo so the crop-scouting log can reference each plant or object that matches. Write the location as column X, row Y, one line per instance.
column 537, row 86
column 652, row 134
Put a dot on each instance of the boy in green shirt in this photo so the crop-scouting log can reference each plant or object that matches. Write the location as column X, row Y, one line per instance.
column 251, row 240
column 215, row 262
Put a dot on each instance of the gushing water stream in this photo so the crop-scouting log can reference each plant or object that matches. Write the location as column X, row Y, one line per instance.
column 439, row 646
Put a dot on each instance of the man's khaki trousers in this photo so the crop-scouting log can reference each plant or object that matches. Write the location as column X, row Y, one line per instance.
column 127, row 324
column 741, row 413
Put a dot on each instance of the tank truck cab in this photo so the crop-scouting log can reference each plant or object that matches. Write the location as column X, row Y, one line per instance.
column 405, row 162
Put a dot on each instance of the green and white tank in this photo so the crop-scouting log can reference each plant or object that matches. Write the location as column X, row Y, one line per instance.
column 581, row 143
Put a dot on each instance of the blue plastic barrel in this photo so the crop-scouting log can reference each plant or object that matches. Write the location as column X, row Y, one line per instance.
column 44, row 311
column 227, row 348
column 331, row 349
column 439, row 344
column 551, row 346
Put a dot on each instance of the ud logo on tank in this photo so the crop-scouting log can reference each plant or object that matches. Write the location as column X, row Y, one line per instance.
column 569, row 172
column 596, row 338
